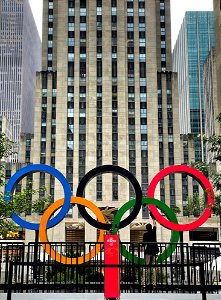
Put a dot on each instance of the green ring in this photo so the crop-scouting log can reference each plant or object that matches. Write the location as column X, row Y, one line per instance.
column 175, row 235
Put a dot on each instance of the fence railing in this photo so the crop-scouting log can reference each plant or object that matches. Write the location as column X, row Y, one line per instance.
column 189, row 269
column 74, row 283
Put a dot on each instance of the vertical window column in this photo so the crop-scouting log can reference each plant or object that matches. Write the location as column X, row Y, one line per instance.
column 70, row 93
column 114, row 97
column 43, row 124
column 163, row 35
column 50, row 33
column 131, row 91
column 82, row 83
column 99, row 98
column 143, row 103
column 170, row 136
column 53, row 131
column 160, row 133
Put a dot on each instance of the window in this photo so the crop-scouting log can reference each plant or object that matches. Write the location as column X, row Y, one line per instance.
column 83, row 12
column 142, row 27
column 142, row 42
column 162, row 18
column 70, row 26
column 71, row 11
column 70, row 56
column 83, row 26
column 99, row 11
column 141, row 12
column 114, row 11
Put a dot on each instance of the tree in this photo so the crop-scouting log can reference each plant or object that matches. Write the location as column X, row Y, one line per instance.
column 214, row 146
column 195, row 205
column 21, row 202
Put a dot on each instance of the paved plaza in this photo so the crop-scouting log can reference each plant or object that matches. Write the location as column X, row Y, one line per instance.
column 126, row 296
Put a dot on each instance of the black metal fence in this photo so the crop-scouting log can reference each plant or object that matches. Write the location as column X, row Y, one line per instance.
column 27, row 268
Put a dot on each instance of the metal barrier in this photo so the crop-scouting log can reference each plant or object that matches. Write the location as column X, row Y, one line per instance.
column 28, row 268
column 21, row 283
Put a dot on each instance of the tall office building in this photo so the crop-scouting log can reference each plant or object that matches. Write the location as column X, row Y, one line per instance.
column 106, row 95
column 194, row 42
column 20, row 59
column 210, row 97
column 217, row 15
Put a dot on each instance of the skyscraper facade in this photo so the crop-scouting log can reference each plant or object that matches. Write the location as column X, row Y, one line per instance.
column 195, row 40
column 217, row 15
column 210, row 97
column 20, row 58
column 106, row 95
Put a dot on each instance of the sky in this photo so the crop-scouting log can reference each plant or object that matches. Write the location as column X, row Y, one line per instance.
column 178, row 8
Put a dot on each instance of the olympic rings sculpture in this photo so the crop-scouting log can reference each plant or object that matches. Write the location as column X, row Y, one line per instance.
column 171, row 222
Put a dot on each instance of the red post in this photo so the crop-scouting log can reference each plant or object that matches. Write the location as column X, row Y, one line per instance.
column 111, row 275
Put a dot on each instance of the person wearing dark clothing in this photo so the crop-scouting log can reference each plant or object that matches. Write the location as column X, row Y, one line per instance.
column 150, row 250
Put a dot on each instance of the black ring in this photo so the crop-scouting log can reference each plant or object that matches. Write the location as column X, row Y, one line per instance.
column 110, row 169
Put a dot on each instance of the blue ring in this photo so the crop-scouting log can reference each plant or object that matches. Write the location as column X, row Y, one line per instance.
column 33, row 169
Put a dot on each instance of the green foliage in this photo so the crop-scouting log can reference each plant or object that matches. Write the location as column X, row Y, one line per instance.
column 5, row 150
column 195, row 205
column 7, row 226
column 214, row 146
column 214, row 143
column 176, row 209
column 201, row 166
column 5, row 146
column 21, row 202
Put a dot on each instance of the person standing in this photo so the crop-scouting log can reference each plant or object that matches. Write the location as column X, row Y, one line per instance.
column 150, row 248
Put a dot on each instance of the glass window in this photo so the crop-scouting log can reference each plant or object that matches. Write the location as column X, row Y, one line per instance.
column 162, row 5
column 70, row 56
column 70, row 145
column 142, row 57
column 50, row 56
column 162, row 18
column 141, row 12
column 130, row 12
column 70, row 112
column 83, row 26
column 71, row 26
column 83, row 12
column 50, row 30
column 114, row 11
column 163, row 44
column 71, row 42
column 142, row 42
column 71, row 12
column 130, row 27
column 170, row 138
column 50, row 44
column 142, row 27
column 99, row 11
column 162, row 31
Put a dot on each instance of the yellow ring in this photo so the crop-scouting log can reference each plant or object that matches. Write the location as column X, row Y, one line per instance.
column 44, row 239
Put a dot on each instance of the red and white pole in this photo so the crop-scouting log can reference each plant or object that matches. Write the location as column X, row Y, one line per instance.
column 111, row 275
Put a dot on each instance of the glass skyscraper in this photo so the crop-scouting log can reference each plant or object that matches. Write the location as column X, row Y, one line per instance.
column 194, row 42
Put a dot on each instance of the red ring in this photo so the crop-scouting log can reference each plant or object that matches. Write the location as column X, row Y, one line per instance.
column 195, row 174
